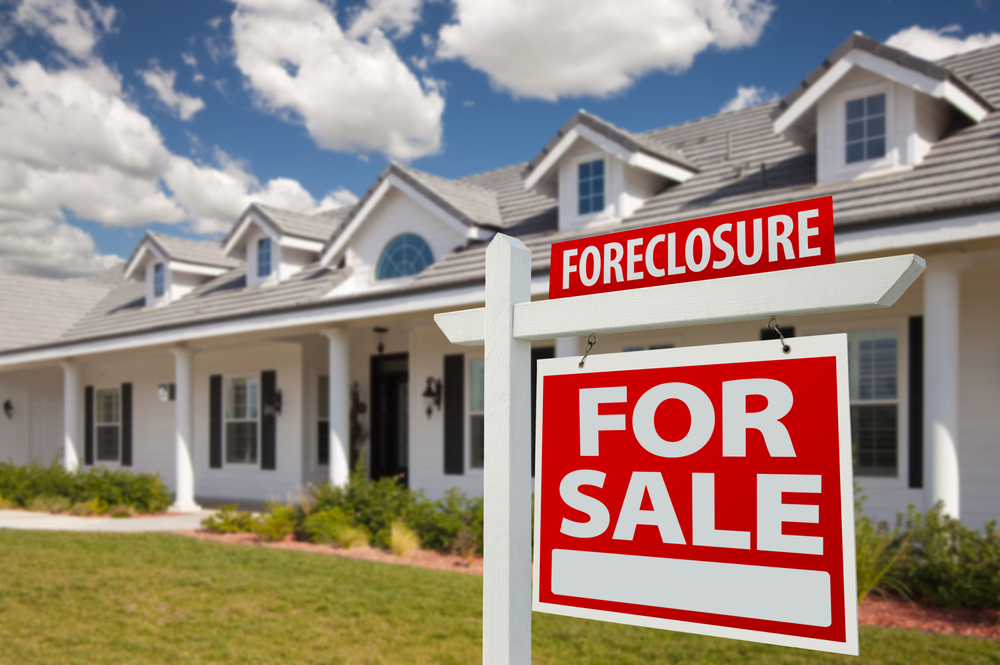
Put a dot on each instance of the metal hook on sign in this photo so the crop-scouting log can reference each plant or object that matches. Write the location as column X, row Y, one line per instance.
column 784, row 345
column 591, row 341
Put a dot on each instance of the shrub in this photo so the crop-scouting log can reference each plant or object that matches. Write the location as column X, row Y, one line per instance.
column 50, row 504
column 227, row 519
column 121, row 511
column 373, row 504
column 144, row 492
column 6, row 504
column 465, row 544
column 878, row 550
column 324, row 526
column 278, row 524
column 402, row 539
column 439, row 523
column 350, row 537
column 98, row 506
column 950, row 564
column 80, row 508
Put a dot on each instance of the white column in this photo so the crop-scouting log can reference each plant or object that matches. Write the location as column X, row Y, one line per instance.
column 340, row 408
column 570, row 346
column 71, row 416
column 941, row 385
column 183, row 424
column 507, row 472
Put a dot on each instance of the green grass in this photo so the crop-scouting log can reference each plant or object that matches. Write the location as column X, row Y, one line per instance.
column 103, row 598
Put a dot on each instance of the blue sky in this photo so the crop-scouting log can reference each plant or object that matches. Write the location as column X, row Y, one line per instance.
column 172, row 116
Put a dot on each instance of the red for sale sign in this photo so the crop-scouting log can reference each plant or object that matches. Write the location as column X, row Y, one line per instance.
column 778, row 237
column 706, row 490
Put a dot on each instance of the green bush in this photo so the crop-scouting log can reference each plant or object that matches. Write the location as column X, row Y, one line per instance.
column 878, row 550
column 376, row 504
column 324, row 526
column 22, row 485
column 402, row 539
column 227, row 519
column 350, row 537
column 950, row 564
column 50, row 504
column 278, row 524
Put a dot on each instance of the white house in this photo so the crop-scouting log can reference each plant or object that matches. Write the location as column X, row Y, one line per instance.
column 254, row 365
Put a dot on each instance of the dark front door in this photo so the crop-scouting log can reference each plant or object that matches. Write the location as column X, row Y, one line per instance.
column 390, row 416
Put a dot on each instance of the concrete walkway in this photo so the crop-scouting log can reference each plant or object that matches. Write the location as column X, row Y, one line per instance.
column 22, row 519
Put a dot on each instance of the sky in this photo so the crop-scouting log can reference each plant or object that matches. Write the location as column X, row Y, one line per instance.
column 122, row 116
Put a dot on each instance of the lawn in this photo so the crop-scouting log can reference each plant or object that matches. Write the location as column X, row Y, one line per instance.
column 103, row 598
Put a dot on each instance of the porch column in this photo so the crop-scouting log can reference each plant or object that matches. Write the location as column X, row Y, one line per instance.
column 183, row 420
column 570, row 346
column 941, row 347
column 340, row 418
column 71, row 416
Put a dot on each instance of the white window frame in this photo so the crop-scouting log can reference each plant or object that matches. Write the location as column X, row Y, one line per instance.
column 891, row 158
column 469, row 469
column 575, row 163
column 258, row 243
column 98, row 424
column 901, row 324
column 226, row 379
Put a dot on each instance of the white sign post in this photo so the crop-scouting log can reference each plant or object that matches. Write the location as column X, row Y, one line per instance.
column 510, row 321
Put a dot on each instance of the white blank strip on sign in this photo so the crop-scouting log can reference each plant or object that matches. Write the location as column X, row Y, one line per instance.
column 753, row 592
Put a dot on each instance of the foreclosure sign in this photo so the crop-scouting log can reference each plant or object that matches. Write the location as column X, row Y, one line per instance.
column 779, row 237
column 705, row 490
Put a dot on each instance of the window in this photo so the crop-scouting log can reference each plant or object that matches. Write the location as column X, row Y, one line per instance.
column 872, row 357
column 477, row 424
column 107, row 419
column 242, row 405
column 591, row 187
column 264, row 257
column 158, row 280
column 406, row 254
column 323, row 419
column 865, row 129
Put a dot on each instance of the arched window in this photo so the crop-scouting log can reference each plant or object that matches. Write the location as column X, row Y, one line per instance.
column 406, row 254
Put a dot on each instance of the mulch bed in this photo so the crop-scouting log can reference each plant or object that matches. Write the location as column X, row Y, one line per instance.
column 875, row 610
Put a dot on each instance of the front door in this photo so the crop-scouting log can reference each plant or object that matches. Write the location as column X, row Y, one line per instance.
column 390, row 416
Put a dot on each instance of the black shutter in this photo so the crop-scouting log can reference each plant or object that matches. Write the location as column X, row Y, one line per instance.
column 268, row 420
column 454, row 414
column 126, row 424
column 916, row 402
column 88, row 425
column 323, row 443
column 536, row 355
column 215, row 421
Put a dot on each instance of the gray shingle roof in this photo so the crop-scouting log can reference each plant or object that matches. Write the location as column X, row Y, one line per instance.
column 742, row 164
column 309, row 227
column 625, row 138
column 202, row 252
column 38, row 311
column 938, row 71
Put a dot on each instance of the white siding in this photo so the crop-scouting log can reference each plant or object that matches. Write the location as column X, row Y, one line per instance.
column 35, row 430
column 248, row 482
column 395, row 214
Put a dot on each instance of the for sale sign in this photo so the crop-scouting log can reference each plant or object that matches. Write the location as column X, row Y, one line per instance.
column 778, row 237
column 706, row 490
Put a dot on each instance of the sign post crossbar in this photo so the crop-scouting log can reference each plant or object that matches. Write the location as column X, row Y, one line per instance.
column 510, row 320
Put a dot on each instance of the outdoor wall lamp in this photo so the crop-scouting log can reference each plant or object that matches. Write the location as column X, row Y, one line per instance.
column 433, row 394
column 380, row 332
column 8, row 409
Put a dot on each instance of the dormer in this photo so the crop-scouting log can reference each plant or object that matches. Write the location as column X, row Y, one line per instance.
column 871, row 110
column 172, row 267
column 405, row 222
column 600, row 173
column 275, row 243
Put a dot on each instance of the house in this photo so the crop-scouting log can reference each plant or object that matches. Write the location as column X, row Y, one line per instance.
column 248, row 367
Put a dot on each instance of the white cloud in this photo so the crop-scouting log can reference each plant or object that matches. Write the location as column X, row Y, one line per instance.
column 931, row 44
column 747, row 96
column 560, row 48
column 337, row 199
column 73, row 142
column 351, row 94
column 192, row 62
column 74, row 28
column 389, row 16
column 162, row 83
